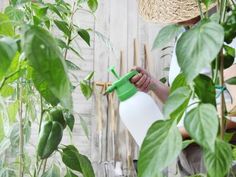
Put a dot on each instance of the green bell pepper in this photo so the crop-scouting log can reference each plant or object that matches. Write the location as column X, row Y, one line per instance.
column 49, row 138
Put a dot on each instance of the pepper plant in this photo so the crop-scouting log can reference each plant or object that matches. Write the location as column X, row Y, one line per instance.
column 35, row 87
column 205, row 44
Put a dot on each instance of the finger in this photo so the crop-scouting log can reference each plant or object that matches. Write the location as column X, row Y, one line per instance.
column 139, row 69
column 136, row 78
column 146, row 84
column 141, row 81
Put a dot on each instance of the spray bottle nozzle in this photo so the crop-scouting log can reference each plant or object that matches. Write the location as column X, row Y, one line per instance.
column 123, row 87
column 113, row 71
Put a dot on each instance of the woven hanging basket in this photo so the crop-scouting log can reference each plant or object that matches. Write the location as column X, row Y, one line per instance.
column 169, row 11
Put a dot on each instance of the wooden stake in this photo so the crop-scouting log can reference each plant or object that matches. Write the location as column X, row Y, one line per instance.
column 135, row 52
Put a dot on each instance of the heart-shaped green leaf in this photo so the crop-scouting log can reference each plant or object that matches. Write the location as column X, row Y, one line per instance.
column 177, row 103
column 161, row 146
column 205, row 89
column 202, row 125
column 219, row 162
column 166, row 34
column 231, row 81
column 198, row 47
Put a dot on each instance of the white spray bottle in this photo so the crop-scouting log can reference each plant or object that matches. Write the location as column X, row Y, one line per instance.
column 138, row 111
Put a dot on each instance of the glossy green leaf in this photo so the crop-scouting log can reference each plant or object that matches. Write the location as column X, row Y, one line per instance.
column 177, row 103
column 43, row 87
column 230, row 26
column 86, row 89
column 63, row 26
column 160, row 148
column 231, row 81
column 70, row 159
column 93, row 5
column 39, row 9
column 70, row 121
column 179, row 81
column 46, row 59
column 54, row 171
column 218, row 163
column 8, row 50
column 166, row 34
column 71, row 66
column 186, row 143
column 202, row 125
column 89, row 76
column 205, row 89
column 84, row 35
column 54, row 9
column 76, row 161
column 14, row 13
column 84, row 127
column 86, row 166
column 69, row 173
column 229, row 50
column 7, row 91
column 198, row 47
column 6, row 28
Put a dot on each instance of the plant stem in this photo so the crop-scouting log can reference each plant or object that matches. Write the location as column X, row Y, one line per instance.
column 8, row 77
column 222, row 10
column 41, row 113
column 200, row 9
column 44, row 165
column 222, row 105
column 21, row 140
column 40, row 166
column 70, row 28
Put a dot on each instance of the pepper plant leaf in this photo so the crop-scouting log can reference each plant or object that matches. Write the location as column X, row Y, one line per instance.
column 202, row 125
column 42, row 86
column 76, row 161
column 6, row 28
column 69, row 173
column 177, row 103
column 205, row 89
column 8, row 50
column 218, row 162
column 93, row 5
column 179, row 81
column 231, row 81
column 166, row 34
column 160, row 147
column 45, row 57
column 63, row 26
column 54, row 171
column 84, row 35
column 198, row 47
column 14, row 13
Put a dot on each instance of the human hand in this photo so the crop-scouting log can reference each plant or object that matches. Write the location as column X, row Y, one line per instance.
column 143, row 81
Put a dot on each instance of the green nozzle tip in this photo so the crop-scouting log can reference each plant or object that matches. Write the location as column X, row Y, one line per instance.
column 112, row 69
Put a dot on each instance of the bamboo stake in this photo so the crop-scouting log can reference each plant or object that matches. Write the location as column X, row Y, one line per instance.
column 146, row 58
column 135, row 53
column 99, row 122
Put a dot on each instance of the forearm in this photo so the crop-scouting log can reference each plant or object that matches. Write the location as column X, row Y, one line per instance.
column 161, row 90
